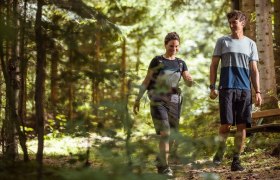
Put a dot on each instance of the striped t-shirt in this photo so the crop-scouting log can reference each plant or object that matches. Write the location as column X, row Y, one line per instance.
column 235, row 55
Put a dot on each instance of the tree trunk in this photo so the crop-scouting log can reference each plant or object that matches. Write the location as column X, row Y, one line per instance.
column 40, row 84
column 96, row 91
column 138, row 46
column 2, row 59
column 235, row 4
column 277, row 44
column 70, row 86
column 277, row 58
column 23, row 74
column 8, row 124
column 54, row 73
column 1, row 76
column 248, row 7
column 265, row 48
column 123, row 70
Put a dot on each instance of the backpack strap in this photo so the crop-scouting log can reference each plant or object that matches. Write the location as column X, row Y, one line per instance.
column 155, row 74
column 180, row 64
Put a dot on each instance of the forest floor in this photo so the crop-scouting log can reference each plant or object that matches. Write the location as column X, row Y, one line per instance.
column 258, row 163
column 262, row 166
column 258, row 166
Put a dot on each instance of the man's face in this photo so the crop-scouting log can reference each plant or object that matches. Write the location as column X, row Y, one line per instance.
column 235, row 24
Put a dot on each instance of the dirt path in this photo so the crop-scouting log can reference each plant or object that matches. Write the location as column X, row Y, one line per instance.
column 263, row 167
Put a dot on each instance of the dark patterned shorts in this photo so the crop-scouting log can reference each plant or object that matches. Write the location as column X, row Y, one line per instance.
column 165, row 111
column 235, row 106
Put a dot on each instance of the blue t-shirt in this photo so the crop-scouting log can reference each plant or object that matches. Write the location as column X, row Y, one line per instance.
column 235, row 55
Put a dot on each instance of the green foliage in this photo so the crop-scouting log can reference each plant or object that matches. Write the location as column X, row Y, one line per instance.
column 103, row 46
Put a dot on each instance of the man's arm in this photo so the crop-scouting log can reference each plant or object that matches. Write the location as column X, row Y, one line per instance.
column 213, row 76
column 255, row 78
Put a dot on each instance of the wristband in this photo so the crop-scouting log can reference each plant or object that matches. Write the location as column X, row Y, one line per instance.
column 212, row 86
column 258, row 92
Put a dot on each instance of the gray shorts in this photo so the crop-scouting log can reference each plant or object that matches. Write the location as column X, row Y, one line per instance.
column 235, row 106
column 165, row 111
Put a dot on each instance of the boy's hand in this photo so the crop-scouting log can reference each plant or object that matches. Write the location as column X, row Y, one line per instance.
column 213, row 94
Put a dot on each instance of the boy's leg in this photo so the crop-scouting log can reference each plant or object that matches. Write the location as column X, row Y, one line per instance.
column 223, row 135
column 243, row 117
column 226, row 97
column 239, row 142
column 240, row 137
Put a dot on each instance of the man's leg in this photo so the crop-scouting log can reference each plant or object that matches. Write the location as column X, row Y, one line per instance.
column 223, row 135
column 240, row 137
column 239, row 142
column 226, row 97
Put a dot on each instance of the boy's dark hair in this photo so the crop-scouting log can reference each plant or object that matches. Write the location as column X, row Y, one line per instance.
column 238, row 15
column 171, row 36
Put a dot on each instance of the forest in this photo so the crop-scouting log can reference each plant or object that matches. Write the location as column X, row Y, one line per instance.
column 70, row 73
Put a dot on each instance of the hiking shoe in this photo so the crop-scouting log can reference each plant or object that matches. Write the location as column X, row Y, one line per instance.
column 217, row 160
column 236, row 166
column 165, row 171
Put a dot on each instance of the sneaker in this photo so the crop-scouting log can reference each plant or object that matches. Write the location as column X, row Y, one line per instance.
column 217, row 160
column 236, row 166
column 165, row 171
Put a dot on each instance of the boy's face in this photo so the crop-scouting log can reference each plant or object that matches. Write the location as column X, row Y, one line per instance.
column 236, row 25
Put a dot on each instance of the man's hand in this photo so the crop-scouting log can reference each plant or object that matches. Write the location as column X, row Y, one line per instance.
column 258, row 99
column 136, row 107
column 213, row 94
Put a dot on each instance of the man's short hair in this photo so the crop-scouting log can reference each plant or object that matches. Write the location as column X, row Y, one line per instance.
column 238, row 15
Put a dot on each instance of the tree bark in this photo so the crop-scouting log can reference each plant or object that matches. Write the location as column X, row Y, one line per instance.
column 235, row 4
column 248, row 7
column 96, row 92
column 1, row 60
column 265, row 48
column 54, row 72
column 70, row 85
column 123, row 70
column 277, row 45
column 138, row 47
column 23, row 74
column 40, row 83
column 8, row 124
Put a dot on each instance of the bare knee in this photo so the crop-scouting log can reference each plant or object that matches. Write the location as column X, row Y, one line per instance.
column 241, row 127
column 164, row 136
column 225, row 128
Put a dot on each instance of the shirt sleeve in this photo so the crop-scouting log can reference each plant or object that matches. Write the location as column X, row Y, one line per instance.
column 185, row 67
column 218, row 48
column 154, row 63
column 254, row 55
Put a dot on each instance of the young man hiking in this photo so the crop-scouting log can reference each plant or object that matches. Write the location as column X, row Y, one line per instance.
column 239, row 56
